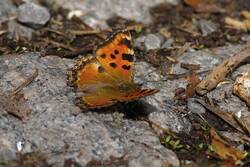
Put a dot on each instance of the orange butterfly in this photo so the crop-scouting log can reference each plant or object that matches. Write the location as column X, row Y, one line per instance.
column 107, row 77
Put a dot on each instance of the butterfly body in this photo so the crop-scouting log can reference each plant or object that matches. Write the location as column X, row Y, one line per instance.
column 107, row 77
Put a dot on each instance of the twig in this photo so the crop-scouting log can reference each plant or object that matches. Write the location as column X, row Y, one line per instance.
column 85, row 32
column 60, row 45
column 54, row 31
column 182, row 50
column 24, row 84
column 219, row 72
column 183, row 75
column 190, row 66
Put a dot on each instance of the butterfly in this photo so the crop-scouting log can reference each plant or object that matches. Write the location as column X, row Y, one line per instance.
column 108, row 77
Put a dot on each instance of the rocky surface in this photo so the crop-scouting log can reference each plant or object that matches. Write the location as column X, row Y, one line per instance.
column 206, row 27
column 33, row 15
column 16, row 29
column 98, row 11
column 57, row 127
column 53, row 124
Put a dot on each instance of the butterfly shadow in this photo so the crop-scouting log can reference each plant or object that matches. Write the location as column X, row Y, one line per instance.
column 135, row 110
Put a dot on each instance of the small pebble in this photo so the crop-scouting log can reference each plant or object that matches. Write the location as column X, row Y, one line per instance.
column 33, row 15
column 195, row 107
column 152, row 42
column 206, row 27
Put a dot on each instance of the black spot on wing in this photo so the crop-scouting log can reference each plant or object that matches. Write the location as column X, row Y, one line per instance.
column 103, row 56
column 128, row 57
column 126, row 42
column 116, row 52
column 125, row 67
column 101, row 69
column 112, row 56
column 113, row 65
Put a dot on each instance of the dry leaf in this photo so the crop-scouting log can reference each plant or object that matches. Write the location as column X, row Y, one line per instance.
column 15, row 106
column 14, row 102
column 203, row 6
column 193, row 81
column 236, row 24
column 242, row 87
column 193, row 3
column 223, row 149
column 246, row 14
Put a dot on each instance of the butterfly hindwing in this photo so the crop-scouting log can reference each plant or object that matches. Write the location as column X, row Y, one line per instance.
column 88, row 74
column 117, row 56
column 107, row 96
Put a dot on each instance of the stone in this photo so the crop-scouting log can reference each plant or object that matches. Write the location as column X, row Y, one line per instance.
column 169, row 120
column 159, row 106
column 152, row 41
column 7, row 10
column 207, row 27
column 139, row 42
column 16, row 29
column 33, row 15
column 168, row 43
column 6, row 150
column 195, row 107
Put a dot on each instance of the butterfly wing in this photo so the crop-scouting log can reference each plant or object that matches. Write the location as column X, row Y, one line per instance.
column 88, row 75
column 107, row 96
column 117, row 57
column 107, row 78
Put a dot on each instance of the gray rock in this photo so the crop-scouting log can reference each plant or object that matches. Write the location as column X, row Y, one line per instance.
column 239, row 71
column 6, row 150
column 168, row 43
column 7, row 10
column 169, row 120
column 246, row 38
column 17, row 30
column 161, row 103
column 52, row 124
column 206, row 58
column 139, row 42
column 195, row 107
column 207, row 27
column 33, row 15
column 99, row 10
column 152, row 41
column 227, row 101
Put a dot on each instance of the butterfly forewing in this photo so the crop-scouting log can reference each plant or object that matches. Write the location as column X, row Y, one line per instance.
column 117, row 57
